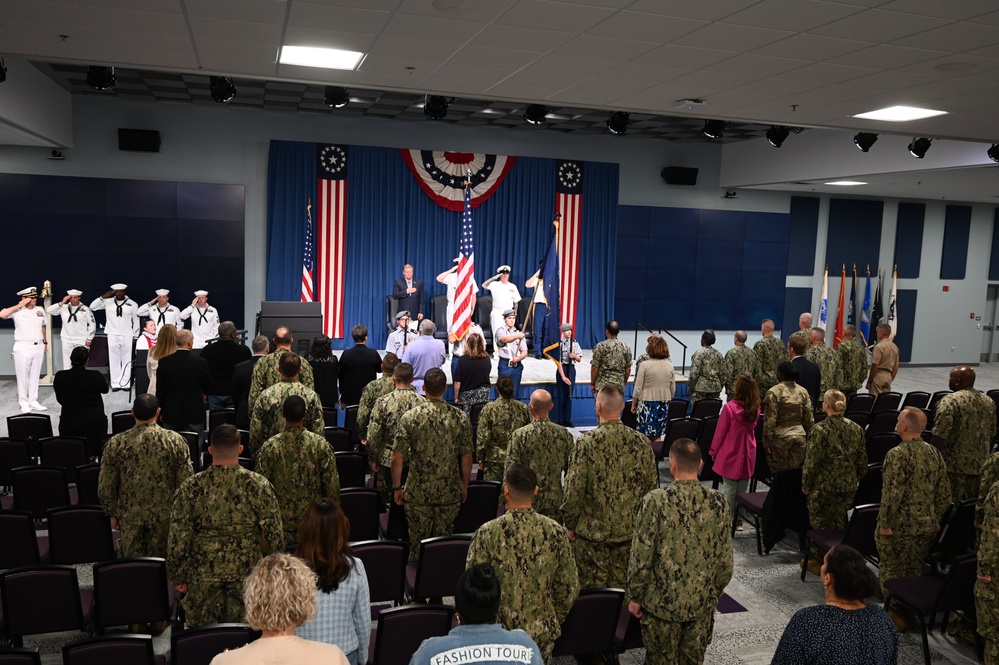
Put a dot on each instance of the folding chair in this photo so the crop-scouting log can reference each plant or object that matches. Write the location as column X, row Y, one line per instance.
column 21, row 546
column 130, row 591
column 87, row 478
column 352, row 468
column 66, row 607
column 401, row 631
column 38, row 489
column 122, row 421
column 441, row 563
column 591, row 624
column 869, row 488
column 858, row 534
column 706, row 407
column 131, row 649
column 480, row 506
column 29, row 427
column 886, row 402
column 681, row 428
column 198, row 646
column 340, row 439
column 861, row 402
column 879, row 445
column 362, row 507
column 385, row 567
column 67, row 452
column 80, row 534
column 916, row 398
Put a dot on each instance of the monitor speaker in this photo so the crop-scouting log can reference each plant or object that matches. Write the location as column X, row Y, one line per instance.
column 679, row 175
column 139, row 140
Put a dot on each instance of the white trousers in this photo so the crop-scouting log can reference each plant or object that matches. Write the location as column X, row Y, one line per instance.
column 496, row 321
column 68, row 344
column 120, row 360
column 28, row 357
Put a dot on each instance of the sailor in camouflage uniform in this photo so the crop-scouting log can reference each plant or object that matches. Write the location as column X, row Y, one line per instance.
column 851, row 358
column 681, row 561
column 268, row 420
column 384, row 425
column 266, row 372
column 224, row 520
column 964, row 424
column 497, row 422
column 300, row 465
column 986, row 594
column 804, row 328
column 140, row 470
column 545, row 447
column 770, row 352
column 435, row 440
column 825, row 358
column 739, row 360
column 533, row 560
column 708, row 370
column 914, row 498
column 611, row 469
column 989, row 477
column 787, row 420
column 383, row 385
column 835, row 461
column 611, row 362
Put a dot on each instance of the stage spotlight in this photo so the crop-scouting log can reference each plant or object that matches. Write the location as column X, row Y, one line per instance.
column 222, row 88
column 919, row 146
column 535, row 114
column 336, row 97
column 865, row 140
column 100, row 78
column 435, row 107
column 714, row 129
column 618, row 122
column 3, row 71
column 777, row 135
column 993, row 152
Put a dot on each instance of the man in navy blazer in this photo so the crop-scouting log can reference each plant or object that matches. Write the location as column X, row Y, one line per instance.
column 409, row 292
column 809, row 374
column 182, row 383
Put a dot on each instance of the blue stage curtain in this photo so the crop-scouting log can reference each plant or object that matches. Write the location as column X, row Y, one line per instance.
column 597, row 252
column 291, row 183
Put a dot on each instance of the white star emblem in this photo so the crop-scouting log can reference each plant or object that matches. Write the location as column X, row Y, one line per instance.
column 333, row 159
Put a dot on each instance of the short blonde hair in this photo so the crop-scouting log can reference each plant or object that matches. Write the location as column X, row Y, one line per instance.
column 836, row 400
column 279, row 593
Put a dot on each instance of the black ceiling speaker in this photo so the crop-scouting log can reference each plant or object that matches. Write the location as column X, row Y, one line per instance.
column 138, row 140
column 679, row 175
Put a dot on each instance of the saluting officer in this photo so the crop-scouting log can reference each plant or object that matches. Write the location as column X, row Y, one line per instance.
column 29, row 347
column 160, row 311
column 78, row 324
column 204, row 319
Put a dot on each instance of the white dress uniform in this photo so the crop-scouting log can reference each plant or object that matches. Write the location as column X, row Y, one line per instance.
column 505, row 296
column 161, row 316
column 78, row 327
column 122, row 327
column 451, row 282
column 29, row 353
column 204, row 323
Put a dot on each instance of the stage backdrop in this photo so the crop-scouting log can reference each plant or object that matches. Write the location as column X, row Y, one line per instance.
column 389, row 220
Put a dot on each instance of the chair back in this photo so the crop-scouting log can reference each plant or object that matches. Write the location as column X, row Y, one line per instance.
column 20, row 544
column 385, row 567
column 916, row 398
column 131, row 649
column 676, row 408
column 362, row 507
column 628, row 418
column 681, row 428
column 878, row 447
column 480, row 506
column 860, row 530
column 15, row 656
column 128, row 591
column 37, row 489
column 401, row 631
column 393, row 525
column 40, row 599
column 87, row 478
column 882, row 422
column 791, row 510
column 869, row 488
column 859, row 417
column 958, row 532
column 352, row 468
column 350, row 422
column 862, row 402
column 13, row 454
column 331, row 416
column 198, row 646
column 194, row 447
column 122, row 421
column 959, row 588
column 936, row 397
column 29, row 427
column 80, row 534
column 221, row 417
column 67, row 452
column 887, row 402
column 474, row 417
column 339, row 438
column 706, row 407
column 591, row 623
column 442, row 561
column 704, row 438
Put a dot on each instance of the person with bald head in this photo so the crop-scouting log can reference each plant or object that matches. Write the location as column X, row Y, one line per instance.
column 852, row 359
column 770, row 352
column 827, row 361
column 740, row 360
column 884, row 362
column 804, row 331
column 914, row 498
column 545, row 447
column 182, row 384
column 611, row 469
column 222, row 357
column 266, row 372
column 964, row 424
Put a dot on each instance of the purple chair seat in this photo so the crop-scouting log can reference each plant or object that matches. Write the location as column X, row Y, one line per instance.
column 826, row 538
column 920, row 592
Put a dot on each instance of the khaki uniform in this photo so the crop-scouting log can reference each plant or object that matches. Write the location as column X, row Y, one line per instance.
column 497, row 422
column 383, row 385
column 546, row 448
column 885, row 356
column 302, row 468
column 266, row 374
column 740, row 359
column 966, row 419
column 788, row 418
column 611, row 469
column 140, row 471
column 681, row 561
column 612, row 358
column 382, row 428
column 224, row 520
column 853, row 370
column 708, row 374
column 268, row 418
column 432, row 438
column 987, row 593
column 835, row 461
column 770, row 352
column 537, row 573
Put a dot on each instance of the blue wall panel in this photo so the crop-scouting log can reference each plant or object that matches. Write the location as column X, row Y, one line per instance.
column 854, row 235
column 14, row 194
column 796, row 301
column 68, row 196
column 141, row 198
column 994, row 256
column 802, row 234
column 909, row 239
column 764, row 256
column 671, row 314
column 905, row 305
column 722, row 225
column 632, row 221
column 957, row 230
column 673, row 222
column 767, row 225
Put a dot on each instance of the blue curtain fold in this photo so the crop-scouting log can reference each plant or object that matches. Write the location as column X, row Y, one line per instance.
column 291, row 183
column 598, row 252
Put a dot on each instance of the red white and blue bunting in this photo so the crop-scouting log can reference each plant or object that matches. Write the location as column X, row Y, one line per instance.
column 442, row 175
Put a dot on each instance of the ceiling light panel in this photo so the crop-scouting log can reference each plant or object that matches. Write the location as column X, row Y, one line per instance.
column 900, row 114
column 327, row 58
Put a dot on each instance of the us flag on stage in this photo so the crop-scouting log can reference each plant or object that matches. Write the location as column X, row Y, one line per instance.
column 331, row 223
column 309, row 260
column 466, row 271
column 569, row 189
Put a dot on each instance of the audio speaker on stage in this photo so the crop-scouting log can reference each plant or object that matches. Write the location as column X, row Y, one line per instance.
column 679, row 175
column 139, row 140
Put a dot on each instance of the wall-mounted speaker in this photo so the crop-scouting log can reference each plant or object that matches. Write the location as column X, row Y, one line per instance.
column 139, row 140
column 679, row 175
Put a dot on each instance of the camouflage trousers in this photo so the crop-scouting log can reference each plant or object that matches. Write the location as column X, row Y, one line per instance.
column 786, row 452
column 963, row 486
column 383, row 483
column 827, row 510
column 849, row 393
column 143, row 539
column 696, row 396
column 207, row 602
column 987, row 605
column 677, row 642
column 495, row 468
column 900, row 555
column 601, row 564
column 428, row 522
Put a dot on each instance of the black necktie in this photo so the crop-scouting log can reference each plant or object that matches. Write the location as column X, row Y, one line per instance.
column 72, row 314
column 119, row 305
column 162, row 315
column 202, row 317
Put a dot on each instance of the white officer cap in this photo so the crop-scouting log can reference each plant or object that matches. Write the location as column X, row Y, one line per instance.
column 503, row 269
column 74, row 292
column 30, row 292
column 201, row 292
column 119, row 287
column 162, row 292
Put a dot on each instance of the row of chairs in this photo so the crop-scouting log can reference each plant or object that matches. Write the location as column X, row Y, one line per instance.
column 76, row 534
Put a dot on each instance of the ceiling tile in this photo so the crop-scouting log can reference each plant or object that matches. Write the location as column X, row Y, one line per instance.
column 212, row 28
column 607, row 47
column 780, row 88
column 493, row 57
column 992, row 18
column 991, row 51
column 762, row 66
column 646, row 27
column 256, row 11
column 346, row 19
column 416, row 49
column 144, row 22
column 48, row 36
column 487, row 75
column 557, row 66
column 814, row 47
column 645, row 73
column 554, row 15
column 388, row 64
column 960, row 65
column 46, row 12
column 598, row 91
column 893, row 80
column 449, row 82
column 510, row 90
column 350, row 41
column 821, row 72
column 732, row 37
column 477, row 11
column 876, row 25
column 135, row 41
column 250, row 52
column 954, row 38
column 522, row 39
column 662, row 96
column 793, row 15
column 169, row 6
column 714, row 80
column 684, row 56
column 886, row 57
column 439, row 29
column 955, row 11
column 533, row 78
column 696, row 9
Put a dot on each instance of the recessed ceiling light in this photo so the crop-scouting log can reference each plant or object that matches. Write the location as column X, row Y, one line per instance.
column 846, row 183
column 311, row 56
column 899, row 114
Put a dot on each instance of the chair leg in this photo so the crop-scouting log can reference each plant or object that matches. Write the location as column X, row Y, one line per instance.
column 926, row 641
column 806, row 555
column 759, row 538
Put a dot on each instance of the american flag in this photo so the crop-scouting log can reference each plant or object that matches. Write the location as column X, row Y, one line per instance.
column 569, row 189
column 308, row 261
column 331, row 235
column 462, row 318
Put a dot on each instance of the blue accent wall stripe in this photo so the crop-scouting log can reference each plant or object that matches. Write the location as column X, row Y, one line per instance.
column 994, row 256
column 957, row 230
column 804, row 229
column 909, row 239
column 854, row 235
column 796, row 300
column 905, row 305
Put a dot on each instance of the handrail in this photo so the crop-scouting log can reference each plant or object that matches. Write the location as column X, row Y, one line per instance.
column 638, row 324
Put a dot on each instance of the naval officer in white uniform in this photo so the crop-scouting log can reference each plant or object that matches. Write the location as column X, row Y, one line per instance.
column 204, row 319
column 29, row 347
column 160, row 311
column 122, row 327
column 78, row 323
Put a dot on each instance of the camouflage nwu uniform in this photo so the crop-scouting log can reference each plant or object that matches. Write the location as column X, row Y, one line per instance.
column 536, row 570
column 989, row 477
column 302, row 468
column 140, row 471
column 266, row 374
column 268, row 417
column 804, row 333
column 787, row 420
column 382, row 428
column 739, row 360
column 770, row 352
column 966, row 419
column 914, row 497
column 611, row 469
column 681, row 561
column 224, row 520
column 708, row 374
column 383, row 385
column 497, row 422
column 612, row 358
column 835, row 461
column 987, row 593
column 825, row 358
column 546, row 448
column 433, row 438
column 852, row 359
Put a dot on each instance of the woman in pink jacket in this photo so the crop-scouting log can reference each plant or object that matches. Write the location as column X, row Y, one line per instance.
column 733, row 448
